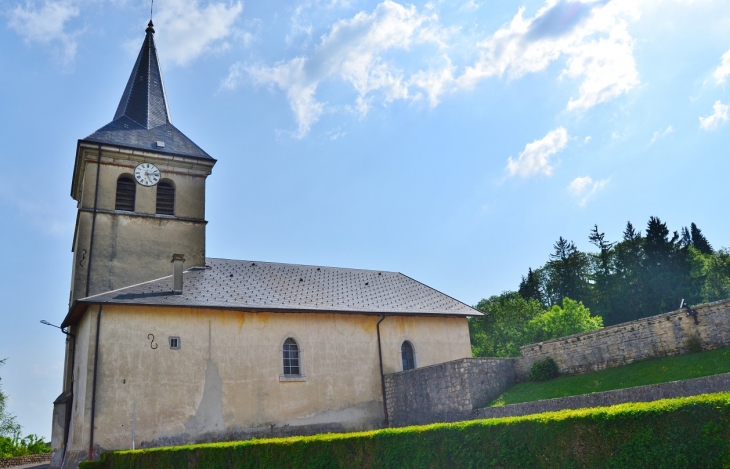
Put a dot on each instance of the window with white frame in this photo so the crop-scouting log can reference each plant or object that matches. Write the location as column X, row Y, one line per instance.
column 291, row 358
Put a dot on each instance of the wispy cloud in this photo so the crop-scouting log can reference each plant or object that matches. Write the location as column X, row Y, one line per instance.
column 353, row 52
column 583, row 188
column 535, row 158
column 593, row 36
column 718, row 116
column 722, row 70
column 661, row 133
column 47, row 25
column 188, row 29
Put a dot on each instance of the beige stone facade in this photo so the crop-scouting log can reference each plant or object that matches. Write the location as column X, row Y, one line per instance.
column 225, row 381
column 133, row 247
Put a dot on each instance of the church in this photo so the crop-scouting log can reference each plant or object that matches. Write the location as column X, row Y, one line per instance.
column 166, row 346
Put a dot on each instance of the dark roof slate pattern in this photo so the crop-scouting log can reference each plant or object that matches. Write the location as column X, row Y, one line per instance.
column 253, row 285
column 143, row 115
column 125, row 132
column 144, row 100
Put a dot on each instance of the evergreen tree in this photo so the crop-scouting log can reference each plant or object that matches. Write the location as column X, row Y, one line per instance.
column 667, row 273
column 567, row 273
column 530, row 288
column 602, row 273
column 628, row 289
column 699, row 241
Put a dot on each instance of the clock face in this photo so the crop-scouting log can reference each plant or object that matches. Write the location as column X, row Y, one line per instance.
column 147, row 174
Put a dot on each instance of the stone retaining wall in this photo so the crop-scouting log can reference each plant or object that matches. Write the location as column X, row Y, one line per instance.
column 654, row 392
column 450, row 391
column 446, row 392
column 652, row 337
column 24, row 460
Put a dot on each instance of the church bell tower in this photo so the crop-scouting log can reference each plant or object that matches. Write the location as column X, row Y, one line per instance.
column 140, row 187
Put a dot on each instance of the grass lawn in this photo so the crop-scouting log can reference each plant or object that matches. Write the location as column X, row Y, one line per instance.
column 659, row 370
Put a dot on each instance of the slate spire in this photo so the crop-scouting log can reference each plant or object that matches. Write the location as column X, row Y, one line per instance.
column 144, row 100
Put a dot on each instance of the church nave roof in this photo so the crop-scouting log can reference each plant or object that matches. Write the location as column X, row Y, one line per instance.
column 270, row 286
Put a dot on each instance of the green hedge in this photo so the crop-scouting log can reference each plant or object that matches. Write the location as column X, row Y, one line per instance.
column 691, row 432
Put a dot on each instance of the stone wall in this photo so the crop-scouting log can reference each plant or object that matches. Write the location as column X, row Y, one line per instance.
column 25, row 460
column 446, row 392
column 451, row 391
column 653, row 392
column 655, row 336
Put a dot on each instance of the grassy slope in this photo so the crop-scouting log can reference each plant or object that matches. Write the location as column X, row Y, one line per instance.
column 660, row 370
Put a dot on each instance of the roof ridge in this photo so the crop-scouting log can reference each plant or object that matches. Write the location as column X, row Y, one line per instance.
column 303, row 265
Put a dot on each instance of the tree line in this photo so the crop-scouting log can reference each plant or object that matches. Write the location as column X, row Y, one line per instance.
column 640, row 275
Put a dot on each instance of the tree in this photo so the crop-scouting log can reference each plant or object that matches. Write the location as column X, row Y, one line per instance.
column 567, row 273
column 502, row 329
column 603, row 273
column 667, row 273
column 699, row 241
column 530, row 287
column 572, row 318
column 8, row 424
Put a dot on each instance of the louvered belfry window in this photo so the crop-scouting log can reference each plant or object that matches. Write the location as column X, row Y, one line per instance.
column 406, row 352
column 165, row 199
column 291, row 357
column 126, row 190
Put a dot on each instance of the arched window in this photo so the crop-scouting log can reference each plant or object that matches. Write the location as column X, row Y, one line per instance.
column 165, row 199
column 406, row 353
column 291, row 357
column 126, row 190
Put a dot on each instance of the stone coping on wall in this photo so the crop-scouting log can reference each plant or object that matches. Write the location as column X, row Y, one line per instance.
column 22, row 461
column 648, row 393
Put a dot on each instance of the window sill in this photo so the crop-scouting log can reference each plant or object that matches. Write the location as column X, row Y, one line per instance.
column 292, row 378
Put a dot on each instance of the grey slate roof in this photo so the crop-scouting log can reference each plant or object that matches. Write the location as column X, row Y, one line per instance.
column 143, row 115
column 269, row 286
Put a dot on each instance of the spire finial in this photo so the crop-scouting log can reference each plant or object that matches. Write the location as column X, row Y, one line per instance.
column 150, row 26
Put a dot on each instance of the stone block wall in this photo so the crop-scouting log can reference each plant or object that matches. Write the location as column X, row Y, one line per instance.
column 649, row 393
column 652, row 337
column 446, row 392
column 25, row 460
column 451, row 391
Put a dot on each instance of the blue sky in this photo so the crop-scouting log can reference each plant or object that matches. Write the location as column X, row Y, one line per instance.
column 450, row 141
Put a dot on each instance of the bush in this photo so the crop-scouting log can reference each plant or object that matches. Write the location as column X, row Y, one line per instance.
column 543, row 370
column 17, row 446
column 682, row 433
column 694, row 344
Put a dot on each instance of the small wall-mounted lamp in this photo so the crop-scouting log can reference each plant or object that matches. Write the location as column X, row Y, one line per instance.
column 43, row 321
column 690, row 311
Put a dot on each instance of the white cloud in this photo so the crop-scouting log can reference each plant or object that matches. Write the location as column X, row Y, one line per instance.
column 719, row 115
column 352, row 51
column 186, row 29
column 722, row 70
column 587, row 140
column 536, row 156
column 593, row 36
column 583, row 188
column 46, row 25
column 661, row 133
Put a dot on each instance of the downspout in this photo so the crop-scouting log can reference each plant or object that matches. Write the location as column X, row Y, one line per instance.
column 93, row 222
column 69, row 404
column 93, row 385
column 382, row 375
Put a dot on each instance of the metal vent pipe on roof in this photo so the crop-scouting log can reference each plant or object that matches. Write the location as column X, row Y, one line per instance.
column 177, row 273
